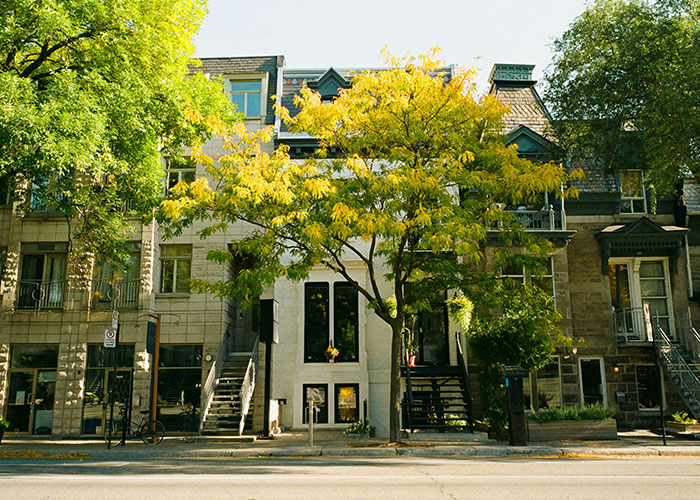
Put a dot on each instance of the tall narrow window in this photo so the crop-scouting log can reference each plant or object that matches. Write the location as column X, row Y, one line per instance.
column 345, row 323
column 633, row 200
column 175, row 262
column 246, row 95
column 316, row 319
column 347, row 408
column 319, row 394
column 42, row 279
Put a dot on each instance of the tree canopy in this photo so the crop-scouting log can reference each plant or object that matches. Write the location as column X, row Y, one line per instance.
column 410, row 174
column 92, row 94
column 625, row 83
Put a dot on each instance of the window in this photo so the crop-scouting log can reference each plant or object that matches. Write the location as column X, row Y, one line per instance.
column 347, row 408
column 42, row 279
column 246, row 95
column 178, row 169
column 99, row 379
column 542, row 389
column 319, row 394
column 317, row 320
column 633, row 200
column 46, row 192
column 179, row 386
column 118, row 284
column 542, row 277
column 175, row 262
column 648, row 387
column 3, row 263
column 634, row 282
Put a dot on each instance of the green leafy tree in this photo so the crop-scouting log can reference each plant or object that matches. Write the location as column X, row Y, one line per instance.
column 92, row 94
column 624, row 83
column 415, row 180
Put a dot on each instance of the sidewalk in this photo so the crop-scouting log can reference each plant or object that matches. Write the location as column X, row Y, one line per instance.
column 295, row 444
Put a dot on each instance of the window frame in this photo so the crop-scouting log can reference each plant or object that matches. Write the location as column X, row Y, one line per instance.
column 527, row 277
column 336, row 409
column 631, row 199
column 172, row 168
column 305, row 406
column 262, row 80
column 174, row 258
column 330, row 322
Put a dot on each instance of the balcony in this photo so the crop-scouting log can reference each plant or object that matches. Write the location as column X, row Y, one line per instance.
column 540, row 220
column 115, row 294
column 41, row 295
column 629, row 326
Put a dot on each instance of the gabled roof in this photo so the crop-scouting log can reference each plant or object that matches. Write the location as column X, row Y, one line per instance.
column 529, row 142
column 329, row 83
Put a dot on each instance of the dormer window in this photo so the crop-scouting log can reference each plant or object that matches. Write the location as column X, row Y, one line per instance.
column 633, row 200
column 246, row 95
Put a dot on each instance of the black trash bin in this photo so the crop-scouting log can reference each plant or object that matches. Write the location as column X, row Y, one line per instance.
column 517, row 431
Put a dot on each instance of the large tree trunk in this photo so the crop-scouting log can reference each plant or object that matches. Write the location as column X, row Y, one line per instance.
column 395, row 387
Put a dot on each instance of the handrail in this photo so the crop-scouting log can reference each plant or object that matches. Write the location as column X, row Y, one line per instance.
column 672, row 360
column 248, row 386
column 468, row 397
column 688, row 335
column 207, row 395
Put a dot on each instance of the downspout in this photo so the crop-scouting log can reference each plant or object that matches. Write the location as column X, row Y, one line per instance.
column 691, row 292
column 278, row 90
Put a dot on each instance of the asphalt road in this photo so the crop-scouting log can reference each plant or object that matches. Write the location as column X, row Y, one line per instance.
column 376, row 478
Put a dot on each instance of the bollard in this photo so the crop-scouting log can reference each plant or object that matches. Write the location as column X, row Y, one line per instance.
column 311, row 422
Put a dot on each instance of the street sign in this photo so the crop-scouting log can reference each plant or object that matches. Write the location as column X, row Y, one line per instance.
column 115, row 320
column 647, row 323
column 110, row 337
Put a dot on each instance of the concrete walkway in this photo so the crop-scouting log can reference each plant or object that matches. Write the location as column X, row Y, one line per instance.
column 331, row 444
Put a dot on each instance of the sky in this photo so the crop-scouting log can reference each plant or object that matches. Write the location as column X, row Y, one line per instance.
column 351, row 33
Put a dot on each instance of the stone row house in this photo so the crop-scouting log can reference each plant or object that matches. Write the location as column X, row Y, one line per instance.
column 612, row 254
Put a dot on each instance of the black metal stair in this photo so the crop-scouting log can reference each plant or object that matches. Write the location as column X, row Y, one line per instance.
column 438, row 397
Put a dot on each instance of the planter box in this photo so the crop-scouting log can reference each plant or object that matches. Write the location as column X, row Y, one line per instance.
column 358, row 436
column 681, row 427
column 572, row 429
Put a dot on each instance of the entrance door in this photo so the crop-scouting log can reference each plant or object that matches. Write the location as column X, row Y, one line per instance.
column 432, row 336
column 32, row 396
column 592, row 381
column 32, row 388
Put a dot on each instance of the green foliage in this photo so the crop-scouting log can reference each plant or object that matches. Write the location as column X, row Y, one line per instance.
column 683, row 418
column 406, row 142
column 359, row 427
column 493, row 395
column 591, row 412
column 623, row 84
column 4, row 423
column 461, row 308
column 92, row 92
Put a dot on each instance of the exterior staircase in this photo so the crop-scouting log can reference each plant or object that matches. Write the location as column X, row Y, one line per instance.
column 438, row 398
column 224, row 415
column 681, row 367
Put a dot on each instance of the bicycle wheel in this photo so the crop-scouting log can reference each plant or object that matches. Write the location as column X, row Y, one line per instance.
column 152, row 432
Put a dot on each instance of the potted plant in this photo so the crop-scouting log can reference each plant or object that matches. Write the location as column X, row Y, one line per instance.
column 358, row 429
column 682, row 422
column 4, row 424
column 572, row 422
column 331, row 353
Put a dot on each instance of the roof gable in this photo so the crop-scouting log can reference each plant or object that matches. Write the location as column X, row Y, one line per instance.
column 529, row 141
column 329, row 83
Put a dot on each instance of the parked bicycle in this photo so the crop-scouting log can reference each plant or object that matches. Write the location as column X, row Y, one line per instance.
column 147, row 430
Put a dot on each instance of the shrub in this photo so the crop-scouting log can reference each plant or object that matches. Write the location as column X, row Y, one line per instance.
column 683, row 418
column 592, row 412
column 359, row 427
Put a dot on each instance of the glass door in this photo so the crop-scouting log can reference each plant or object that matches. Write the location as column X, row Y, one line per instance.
column 432, row 336
column 19, row 408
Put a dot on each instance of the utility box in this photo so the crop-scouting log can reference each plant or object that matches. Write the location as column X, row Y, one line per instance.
column 517, row 430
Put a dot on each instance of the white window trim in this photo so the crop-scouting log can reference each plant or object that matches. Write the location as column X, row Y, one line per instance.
column 162, row 258
column 602, row 378
column 643, row 197
column 526, row 277
column 263, row 78
column 633, row 264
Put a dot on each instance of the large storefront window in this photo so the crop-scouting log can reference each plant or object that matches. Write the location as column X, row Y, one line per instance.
column 179, row 386
column 99, row 380
column 32, row 388
column 542, row 389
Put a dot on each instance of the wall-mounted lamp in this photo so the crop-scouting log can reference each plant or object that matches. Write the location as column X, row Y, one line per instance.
column 616, row 368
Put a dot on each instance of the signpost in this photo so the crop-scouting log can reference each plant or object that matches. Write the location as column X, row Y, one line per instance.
column 110, row 338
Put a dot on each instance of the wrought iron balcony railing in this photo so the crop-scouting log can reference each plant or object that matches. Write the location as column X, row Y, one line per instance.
column 41, row 295
column 115, row 294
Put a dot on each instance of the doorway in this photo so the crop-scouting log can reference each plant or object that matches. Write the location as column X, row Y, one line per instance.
column 592, row 381
column 432, row 335
column 32, row 388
